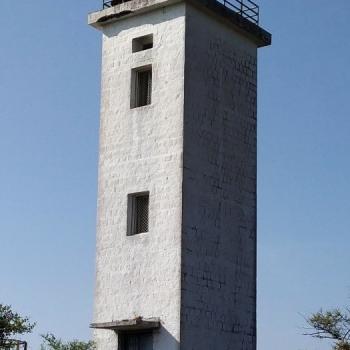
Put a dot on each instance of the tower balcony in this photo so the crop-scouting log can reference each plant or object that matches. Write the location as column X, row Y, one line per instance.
column 242, row 15
column 246, row 8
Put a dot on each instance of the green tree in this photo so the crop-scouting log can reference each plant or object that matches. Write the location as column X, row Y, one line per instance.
column 53, row 343
column 12, row 324
column 333, row 325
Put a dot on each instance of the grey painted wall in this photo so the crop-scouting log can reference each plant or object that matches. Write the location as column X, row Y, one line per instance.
column 218, row 300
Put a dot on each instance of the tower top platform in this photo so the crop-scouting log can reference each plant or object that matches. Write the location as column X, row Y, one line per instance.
column 243, row 16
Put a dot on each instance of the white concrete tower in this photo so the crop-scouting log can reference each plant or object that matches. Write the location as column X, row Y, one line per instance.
column 176, row 233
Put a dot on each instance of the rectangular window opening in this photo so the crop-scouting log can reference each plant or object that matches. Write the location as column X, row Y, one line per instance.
column 141, row 86
column 135, row 341
column 142, row 43
column 138, row 213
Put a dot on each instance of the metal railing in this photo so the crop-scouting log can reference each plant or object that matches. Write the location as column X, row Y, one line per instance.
column 246, row 8
column 11, row 344
column 111, row 3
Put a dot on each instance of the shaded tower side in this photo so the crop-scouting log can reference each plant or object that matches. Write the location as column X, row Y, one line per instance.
column 218, row 288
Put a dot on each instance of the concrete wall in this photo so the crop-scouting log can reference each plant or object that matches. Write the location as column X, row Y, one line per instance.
column 194, row 150
column 218, row 301
column 141, row 150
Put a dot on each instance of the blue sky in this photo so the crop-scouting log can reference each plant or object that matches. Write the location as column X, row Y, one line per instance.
column 49, row 94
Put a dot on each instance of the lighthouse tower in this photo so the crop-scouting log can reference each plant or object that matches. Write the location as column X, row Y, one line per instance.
column 176, row 231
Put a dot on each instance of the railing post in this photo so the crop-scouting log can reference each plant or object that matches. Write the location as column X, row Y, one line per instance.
column 241, row 7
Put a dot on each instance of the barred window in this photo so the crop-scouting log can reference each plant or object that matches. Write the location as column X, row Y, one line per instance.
column 141, row 86
column 138, row 213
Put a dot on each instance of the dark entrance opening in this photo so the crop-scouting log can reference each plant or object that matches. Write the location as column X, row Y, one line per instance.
column 135, row 341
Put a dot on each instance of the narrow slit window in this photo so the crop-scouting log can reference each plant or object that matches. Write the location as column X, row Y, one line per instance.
column 141, row 94
column 138, row 213
column 142, row 43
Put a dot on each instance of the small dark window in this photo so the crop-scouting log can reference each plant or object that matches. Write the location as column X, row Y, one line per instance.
column 138, row 213
column 141, row 86
column 142, row 43
column 135, row 341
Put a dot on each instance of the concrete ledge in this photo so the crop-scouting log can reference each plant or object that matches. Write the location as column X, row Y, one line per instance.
column 134, row 7
column 136, row 324
column 129, row 8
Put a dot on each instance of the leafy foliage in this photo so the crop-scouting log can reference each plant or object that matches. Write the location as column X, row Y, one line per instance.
column 53, row 343
column 333, row 325
column 11, row 323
